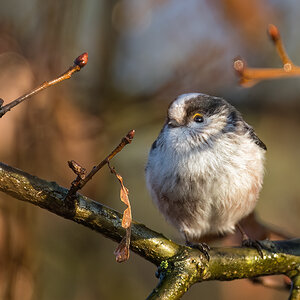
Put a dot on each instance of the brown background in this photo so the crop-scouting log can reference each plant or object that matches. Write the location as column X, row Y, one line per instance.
column 141, row 55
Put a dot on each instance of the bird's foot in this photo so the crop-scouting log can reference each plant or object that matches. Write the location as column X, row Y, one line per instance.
column 204, row 248
column 253, row 244
column 247, row 242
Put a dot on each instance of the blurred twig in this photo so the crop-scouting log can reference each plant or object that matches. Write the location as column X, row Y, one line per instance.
column 251, row 76
column 281, row 284
column 79, row 63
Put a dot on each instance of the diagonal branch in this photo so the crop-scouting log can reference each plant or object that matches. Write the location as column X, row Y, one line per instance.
column 79, row 63
column 182, row 271
column 179, row 266
column 82, row 179
column 92, row 214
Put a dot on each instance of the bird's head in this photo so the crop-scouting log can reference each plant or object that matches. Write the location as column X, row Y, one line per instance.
column 199, row 119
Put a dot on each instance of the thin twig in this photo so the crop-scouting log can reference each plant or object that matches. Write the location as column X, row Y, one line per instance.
column 79, row 63
column 81, row 181
column 251, row 76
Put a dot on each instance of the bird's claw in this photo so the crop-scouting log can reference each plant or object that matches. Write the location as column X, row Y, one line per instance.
column 253, row 244
column 204, row 248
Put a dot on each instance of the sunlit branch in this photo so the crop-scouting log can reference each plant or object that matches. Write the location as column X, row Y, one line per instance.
column 82, row 179
column 251, row 76
column 179, row 266
column 79, row 63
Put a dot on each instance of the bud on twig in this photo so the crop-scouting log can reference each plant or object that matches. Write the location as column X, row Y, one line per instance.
column 239, row 65
column 81, row 60
column 79, row 63
column 129, row 137
column 77, row 168
column 273, row 33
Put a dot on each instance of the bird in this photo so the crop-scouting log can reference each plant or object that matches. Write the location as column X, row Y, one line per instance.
column 205, row 169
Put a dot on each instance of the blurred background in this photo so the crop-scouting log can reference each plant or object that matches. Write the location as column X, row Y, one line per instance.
column 142, row 54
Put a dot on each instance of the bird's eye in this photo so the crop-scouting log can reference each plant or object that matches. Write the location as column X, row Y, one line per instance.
column 198, row 118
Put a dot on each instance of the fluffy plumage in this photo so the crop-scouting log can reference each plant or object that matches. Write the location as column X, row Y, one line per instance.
column 205, row 175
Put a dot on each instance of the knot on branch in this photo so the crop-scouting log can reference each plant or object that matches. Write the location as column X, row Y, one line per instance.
column 190, row 262
column 178, row 273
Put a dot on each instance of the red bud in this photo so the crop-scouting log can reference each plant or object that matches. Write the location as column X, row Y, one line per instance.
column 130, row 134
column 273, row 32
column 81, row 60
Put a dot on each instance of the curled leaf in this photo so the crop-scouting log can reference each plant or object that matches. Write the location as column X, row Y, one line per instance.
column 122, row 251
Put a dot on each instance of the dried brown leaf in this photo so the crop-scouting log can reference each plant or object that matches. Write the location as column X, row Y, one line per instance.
column 122, row 251
column 126, row 220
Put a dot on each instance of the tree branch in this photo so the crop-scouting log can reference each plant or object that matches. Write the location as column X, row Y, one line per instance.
column 178, row 274
column 49, row 195
column 295, row 292
column 79, row 63
column 179, row 266
column 82, row 179
column 251, row 76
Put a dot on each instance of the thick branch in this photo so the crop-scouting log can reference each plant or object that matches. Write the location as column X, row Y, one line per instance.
column 180, row 266
column 174, row 285
column 177, row 275
column 180, row 272
column 295, row 292
column 49, row 195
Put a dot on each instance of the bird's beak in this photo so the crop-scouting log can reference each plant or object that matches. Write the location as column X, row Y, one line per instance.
column 173, row 123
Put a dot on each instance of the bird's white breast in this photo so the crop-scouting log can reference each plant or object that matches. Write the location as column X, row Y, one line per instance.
column 204, row 190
